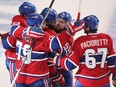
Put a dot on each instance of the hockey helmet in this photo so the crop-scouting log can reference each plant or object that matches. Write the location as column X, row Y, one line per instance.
column 92, row 22
column 34, row 19
column 26, row 8
column 65, row 16
column 51, row 16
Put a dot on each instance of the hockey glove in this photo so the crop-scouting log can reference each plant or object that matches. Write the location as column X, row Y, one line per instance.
column 114, row 81
column 4, row 35
column 78, row 25
column 33, row 32
column 58, row 80
column 57, row 59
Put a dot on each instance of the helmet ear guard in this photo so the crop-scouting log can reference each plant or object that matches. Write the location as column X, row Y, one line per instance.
column 92, row 22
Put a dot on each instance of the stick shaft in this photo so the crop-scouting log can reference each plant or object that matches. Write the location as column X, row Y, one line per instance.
column 49, row 8
column 79, row 10
column 17, row 74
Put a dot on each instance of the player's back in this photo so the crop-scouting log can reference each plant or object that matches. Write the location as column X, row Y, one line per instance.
column 95, row 52
column 18, row 19
column 38, row 68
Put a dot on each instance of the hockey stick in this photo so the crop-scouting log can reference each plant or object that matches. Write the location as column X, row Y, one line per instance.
column 25, row 60
column 79, row 10
column 17, row 74
column 40, row 26
column 49, row 8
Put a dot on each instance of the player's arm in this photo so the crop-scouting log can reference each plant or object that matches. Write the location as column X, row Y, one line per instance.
column 65, row 62
column 17, row 27
column 70, row 31
column 57, row 45
column 16, row 31
column 111, row 56
column 8, row 42
column 78, row 25
column 72, row 60
column 112, row 61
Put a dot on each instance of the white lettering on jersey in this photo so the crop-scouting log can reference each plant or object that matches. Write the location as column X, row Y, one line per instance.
column 98, row 42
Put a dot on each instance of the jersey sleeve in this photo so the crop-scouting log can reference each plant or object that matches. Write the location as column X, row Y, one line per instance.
column 111, row 56
column 70, row 61
column 9, row 42
column 18, row 25
column 48, row 44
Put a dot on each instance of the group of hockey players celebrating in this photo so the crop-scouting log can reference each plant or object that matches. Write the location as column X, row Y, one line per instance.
column 43, row 53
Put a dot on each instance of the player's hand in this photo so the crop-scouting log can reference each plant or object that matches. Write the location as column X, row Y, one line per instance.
column 114, row 81
column 4, row 35
column 57, row 59
column 78, row 25
column 33, row 32
column 58, row 80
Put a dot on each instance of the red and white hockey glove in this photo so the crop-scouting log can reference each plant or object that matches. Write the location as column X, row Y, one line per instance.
column 58, row 80
column 78, row 25
column 33, row 32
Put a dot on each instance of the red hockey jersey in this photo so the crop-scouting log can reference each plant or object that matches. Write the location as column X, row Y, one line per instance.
column 21, row 23
column 95, row 56
column 38, row 68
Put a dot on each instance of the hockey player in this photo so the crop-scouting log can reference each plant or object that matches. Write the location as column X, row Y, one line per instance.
column 44, row 43
column 14, row 32
column 94, row 54
column 50, row 22
column 37, row 71
column 18, row 22
column 62, row 20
